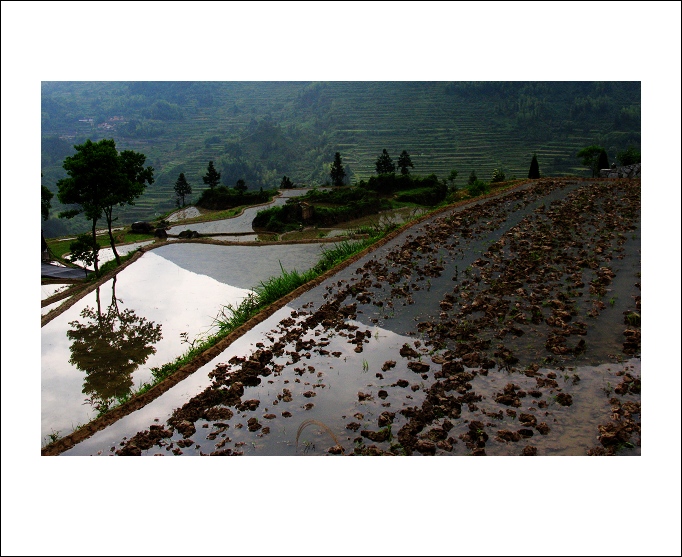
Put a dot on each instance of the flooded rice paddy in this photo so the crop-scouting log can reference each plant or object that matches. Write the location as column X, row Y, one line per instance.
column 507, row 327
column 107, row 254
column 149, row 314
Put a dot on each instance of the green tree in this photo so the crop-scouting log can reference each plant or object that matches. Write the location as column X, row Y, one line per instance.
column 101, row 178
column 472, row 178
column 212, row 177
column 629, row 156
column 81, row 249
column 404, row 162
column 534, row 171
column 602, row 160
column 240, row 186
column 589, row 157
column 336, row 171
column 498, row 176
column 45, row 205
column 384, row 164
column 182, row 188
column 286, row 183
column 451, row 178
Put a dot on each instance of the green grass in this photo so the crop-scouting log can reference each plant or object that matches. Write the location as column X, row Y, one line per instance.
column 60, row 247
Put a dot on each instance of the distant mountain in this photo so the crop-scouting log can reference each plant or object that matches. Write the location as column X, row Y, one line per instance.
column 261, row 131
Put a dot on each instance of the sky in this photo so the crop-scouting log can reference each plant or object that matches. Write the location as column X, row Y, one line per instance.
column 341, row 506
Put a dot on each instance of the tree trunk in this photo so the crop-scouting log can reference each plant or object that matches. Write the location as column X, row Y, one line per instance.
column 94, row 247
column 111, row 237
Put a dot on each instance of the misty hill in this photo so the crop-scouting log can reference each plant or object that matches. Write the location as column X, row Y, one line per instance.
column 261, row 131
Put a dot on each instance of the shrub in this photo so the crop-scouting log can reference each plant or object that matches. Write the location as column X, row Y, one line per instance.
column 498, row 176
column 478, row 188
column 221, row 198
column 629, row 156
column 424, row 196
column 472, row 178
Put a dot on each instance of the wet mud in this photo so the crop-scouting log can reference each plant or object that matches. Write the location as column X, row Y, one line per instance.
column 507, row 327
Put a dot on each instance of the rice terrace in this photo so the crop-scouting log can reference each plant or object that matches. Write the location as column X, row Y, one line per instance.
column 476, row 294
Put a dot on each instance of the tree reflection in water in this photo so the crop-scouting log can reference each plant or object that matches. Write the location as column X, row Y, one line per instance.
column 109, row 348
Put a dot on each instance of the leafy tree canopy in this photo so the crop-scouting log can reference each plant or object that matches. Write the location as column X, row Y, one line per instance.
column 182, row 187
column 384, row 164
column 404, row 162
column 45, row 205
column 240, row 186
column 212, row 176
column 101, row 178
column 336, row 171
column 589, row 156
column 472, row 178
column 498, row 176
column 629, row 156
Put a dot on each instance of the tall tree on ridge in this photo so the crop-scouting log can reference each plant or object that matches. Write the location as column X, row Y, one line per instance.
column 534, row 171
column 182, row 187
column 212, row 176
column 590, row 157
column 336, row 171
column 384, row 163
column 99, row 179
column 404, row 162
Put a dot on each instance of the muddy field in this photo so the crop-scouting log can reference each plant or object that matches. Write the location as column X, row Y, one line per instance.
column 508, row 327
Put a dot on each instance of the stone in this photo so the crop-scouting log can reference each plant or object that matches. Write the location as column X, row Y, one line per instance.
column 141, row 227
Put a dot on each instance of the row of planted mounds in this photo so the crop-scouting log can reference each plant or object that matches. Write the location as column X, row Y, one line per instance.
column 506, row 297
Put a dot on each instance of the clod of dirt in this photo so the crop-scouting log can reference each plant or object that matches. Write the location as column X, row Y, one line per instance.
column 218, row 413
column 506, row 435
column 564, row 399
column 408, row 352
column 426, row 447
column 253, row 424
column 418, row 367
column 376, row 436
column 528, row 419
column 529, row 451
column 388, row 364
column 249, row 405
column 386, row 418
column 186, row 428
column 543, row 428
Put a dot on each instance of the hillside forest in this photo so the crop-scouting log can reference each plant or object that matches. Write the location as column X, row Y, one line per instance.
column 256, row 133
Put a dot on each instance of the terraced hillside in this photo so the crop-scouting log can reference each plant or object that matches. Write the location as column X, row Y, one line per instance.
column 260, row 131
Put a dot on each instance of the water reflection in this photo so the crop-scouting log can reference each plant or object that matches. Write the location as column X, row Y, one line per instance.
column 109, row 347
